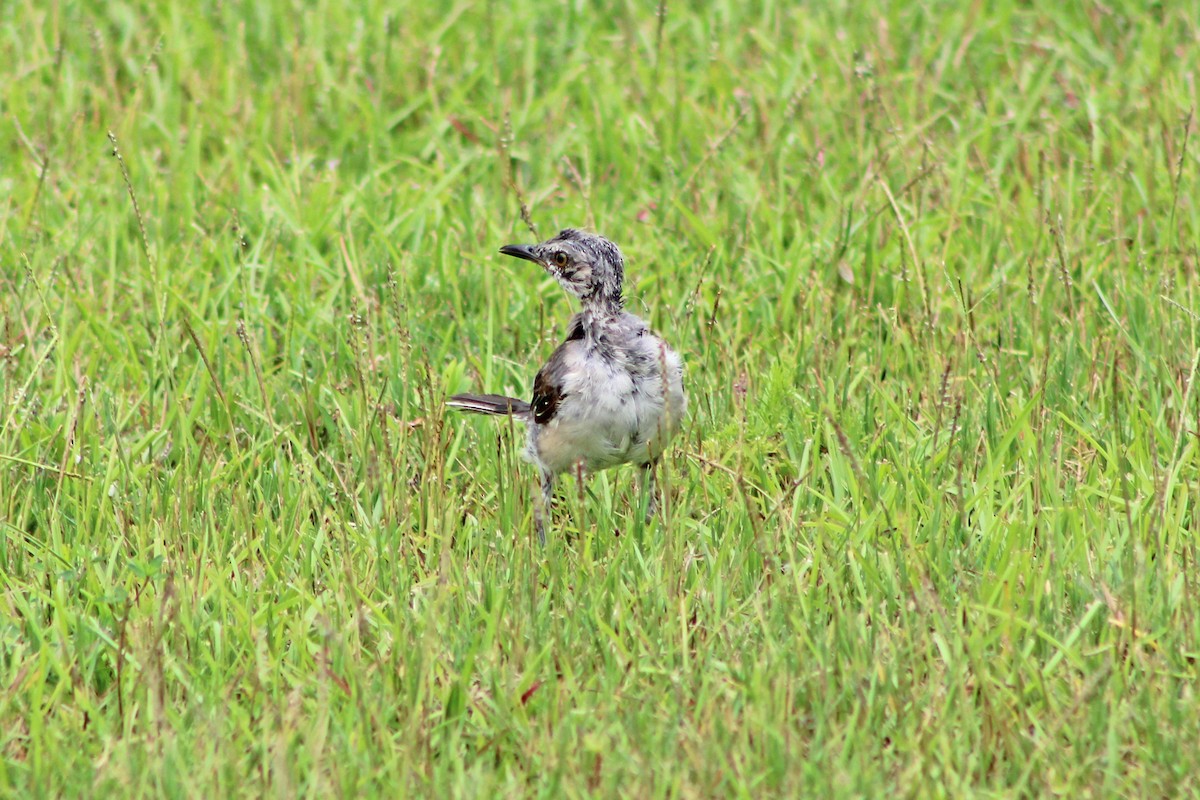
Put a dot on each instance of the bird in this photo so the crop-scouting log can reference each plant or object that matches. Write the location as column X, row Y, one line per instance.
column 611, row 393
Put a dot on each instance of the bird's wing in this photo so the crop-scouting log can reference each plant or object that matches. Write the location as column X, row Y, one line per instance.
column 549, row 386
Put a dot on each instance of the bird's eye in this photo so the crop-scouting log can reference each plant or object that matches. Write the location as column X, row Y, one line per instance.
column 560, row 259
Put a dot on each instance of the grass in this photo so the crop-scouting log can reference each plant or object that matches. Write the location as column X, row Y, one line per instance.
column 930, row 529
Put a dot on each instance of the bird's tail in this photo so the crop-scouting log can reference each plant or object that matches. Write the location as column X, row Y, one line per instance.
column 496, row 404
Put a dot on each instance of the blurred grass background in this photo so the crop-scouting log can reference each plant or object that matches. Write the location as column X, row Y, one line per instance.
column 929, row 529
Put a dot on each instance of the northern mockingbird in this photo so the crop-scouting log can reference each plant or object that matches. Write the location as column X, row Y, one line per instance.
column 612, row 393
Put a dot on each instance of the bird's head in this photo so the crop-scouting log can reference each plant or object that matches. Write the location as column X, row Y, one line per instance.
column 587, row 265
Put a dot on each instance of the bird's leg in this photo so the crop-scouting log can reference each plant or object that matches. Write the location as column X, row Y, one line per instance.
column 544, row 508
column 648, row 470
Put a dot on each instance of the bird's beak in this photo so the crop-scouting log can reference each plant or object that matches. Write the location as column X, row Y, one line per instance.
column 524, row 251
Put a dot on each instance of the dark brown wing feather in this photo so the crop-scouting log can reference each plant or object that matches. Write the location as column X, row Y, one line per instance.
column 547, row 393
column 548, row 385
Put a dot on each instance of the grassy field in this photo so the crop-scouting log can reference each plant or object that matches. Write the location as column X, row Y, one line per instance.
column 930, row 529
